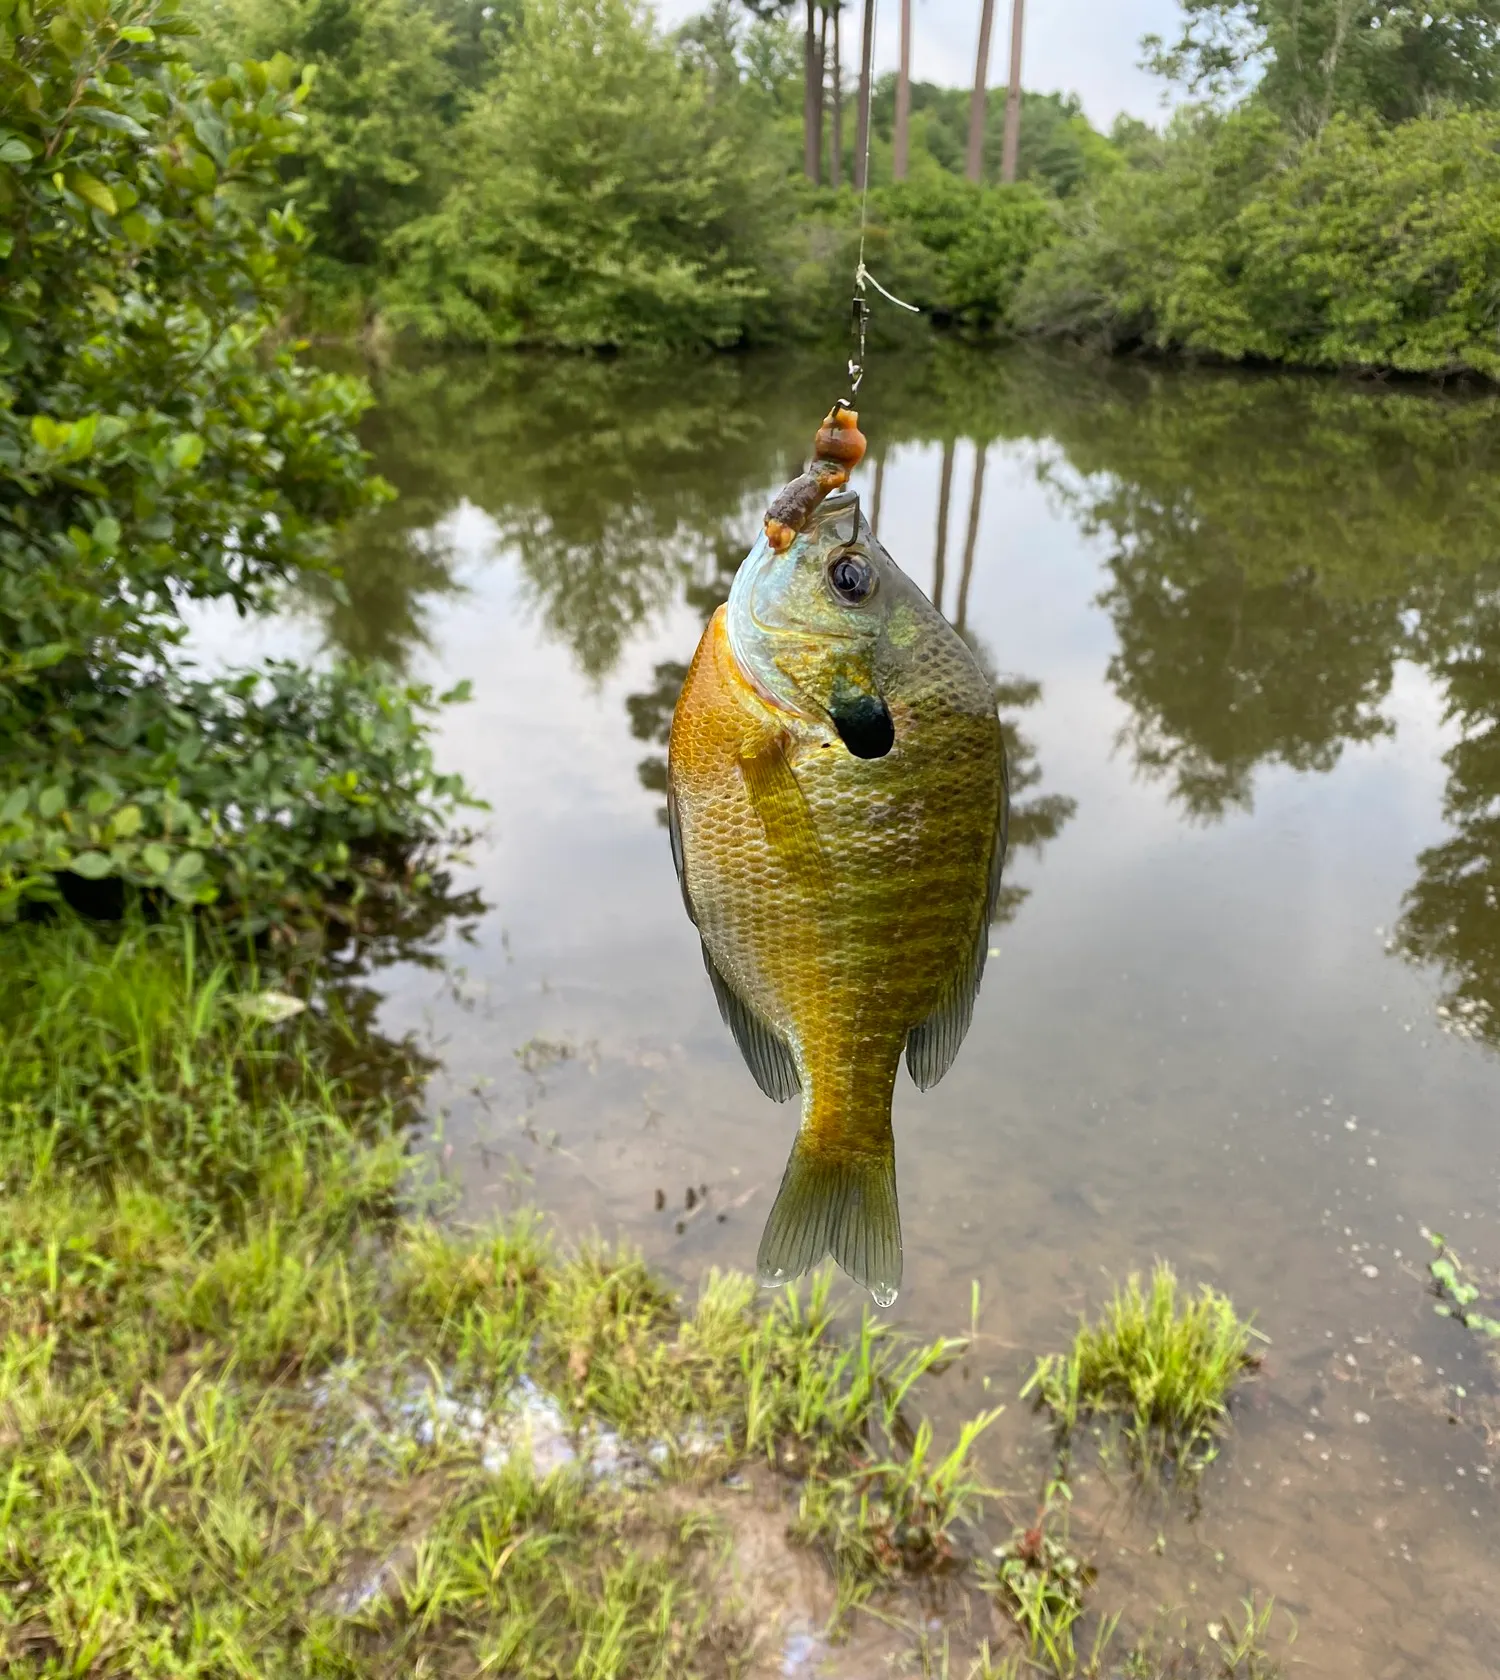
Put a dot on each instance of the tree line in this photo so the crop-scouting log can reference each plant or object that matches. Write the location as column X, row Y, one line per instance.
column 562, row 172
column 540, row 172
column 1326, row 195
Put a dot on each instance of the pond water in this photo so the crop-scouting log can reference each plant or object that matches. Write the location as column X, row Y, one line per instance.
column 1245, row 633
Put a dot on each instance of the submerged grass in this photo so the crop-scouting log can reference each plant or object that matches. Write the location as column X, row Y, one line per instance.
column 261, row 1414
column 1161, row 1361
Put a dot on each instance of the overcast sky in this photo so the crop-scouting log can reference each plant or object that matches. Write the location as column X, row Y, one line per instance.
column 1087, row 47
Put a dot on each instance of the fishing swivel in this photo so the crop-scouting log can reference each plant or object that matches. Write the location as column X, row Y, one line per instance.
column 859, row 322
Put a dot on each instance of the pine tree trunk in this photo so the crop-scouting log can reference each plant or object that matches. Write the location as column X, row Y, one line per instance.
column 976, row 502
column 836, row 172
column 1013, row 95
column 945, row 497
column 862, row 118
column 812, row 95
column 902, row 137
column 975, row 169
column 822, row 89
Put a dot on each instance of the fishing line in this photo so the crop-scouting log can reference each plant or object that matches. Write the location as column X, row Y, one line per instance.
column 860, row 304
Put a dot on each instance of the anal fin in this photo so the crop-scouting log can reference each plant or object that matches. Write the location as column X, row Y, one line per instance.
column 765, row 1051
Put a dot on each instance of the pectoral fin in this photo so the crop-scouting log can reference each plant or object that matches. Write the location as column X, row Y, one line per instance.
column 784, row 813
column 931, row 1047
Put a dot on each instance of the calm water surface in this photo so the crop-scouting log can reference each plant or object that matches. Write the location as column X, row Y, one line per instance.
column 1245, row 634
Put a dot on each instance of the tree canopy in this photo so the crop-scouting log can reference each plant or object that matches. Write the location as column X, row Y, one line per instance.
column 1310, row 59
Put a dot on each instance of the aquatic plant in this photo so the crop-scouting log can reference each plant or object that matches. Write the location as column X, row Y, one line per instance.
column 1041, row 1584
column 1237, row 1647
column 1453, row 1284
column 1162, row 1362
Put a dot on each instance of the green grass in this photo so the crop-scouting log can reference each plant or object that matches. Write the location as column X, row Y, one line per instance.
column 261, row 1408
column 1161, row 1361
column 1234, row 1648
column 234, row 1341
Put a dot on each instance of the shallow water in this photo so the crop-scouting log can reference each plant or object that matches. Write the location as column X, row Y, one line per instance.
column 1246, row 636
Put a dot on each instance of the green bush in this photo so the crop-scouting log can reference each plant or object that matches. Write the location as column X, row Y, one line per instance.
column 156, row 449
column 957, row 251
column 375, row 151
column 980, row 240
column 1060, row 151
column 1365, row 247
column 606, row 199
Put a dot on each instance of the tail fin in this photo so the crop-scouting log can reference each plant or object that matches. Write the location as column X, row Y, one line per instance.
column 842, row 1204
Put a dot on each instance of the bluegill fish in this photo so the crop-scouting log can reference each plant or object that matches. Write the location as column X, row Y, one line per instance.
column 837, row 802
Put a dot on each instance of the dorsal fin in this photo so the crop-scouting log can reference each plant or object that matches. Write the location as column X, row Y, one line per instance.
column 931, row 1046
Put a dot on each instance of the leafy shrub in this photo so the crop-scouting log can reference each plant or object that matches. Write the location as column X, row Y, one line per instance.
column 957, row 251
column 154, row 449
column 605, row 199
column 1365, row 247
column 375, row 150
column 981, row 241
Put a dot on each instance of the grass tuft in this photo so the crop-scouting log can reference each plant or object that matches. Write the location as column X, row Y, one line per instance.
column 1162, row 1361
column 1236, row 1647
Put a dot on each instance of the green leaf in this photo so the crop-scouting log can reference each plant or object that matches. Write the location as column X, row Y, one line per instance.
column 65, row 32
column 48, row 433
column 106, row 533
column 115, row 121
column 184, row 879
column 186, row 451
column 187, row 866
column 126, row 821
column 91, row 189
column 156, row 858
column 93, row 866
column 136, row 228
column 14, row 150
column 45, row 656
column 137, row 33
column 15, row 805
column 50, row 802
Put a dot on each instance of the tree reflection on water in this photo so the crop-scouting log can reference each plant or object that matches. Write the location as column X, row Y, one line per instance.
column 1273, row 546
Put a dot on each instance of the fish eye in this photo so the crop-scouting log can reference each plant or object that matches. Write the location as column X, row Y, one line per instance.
column 851, row 577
